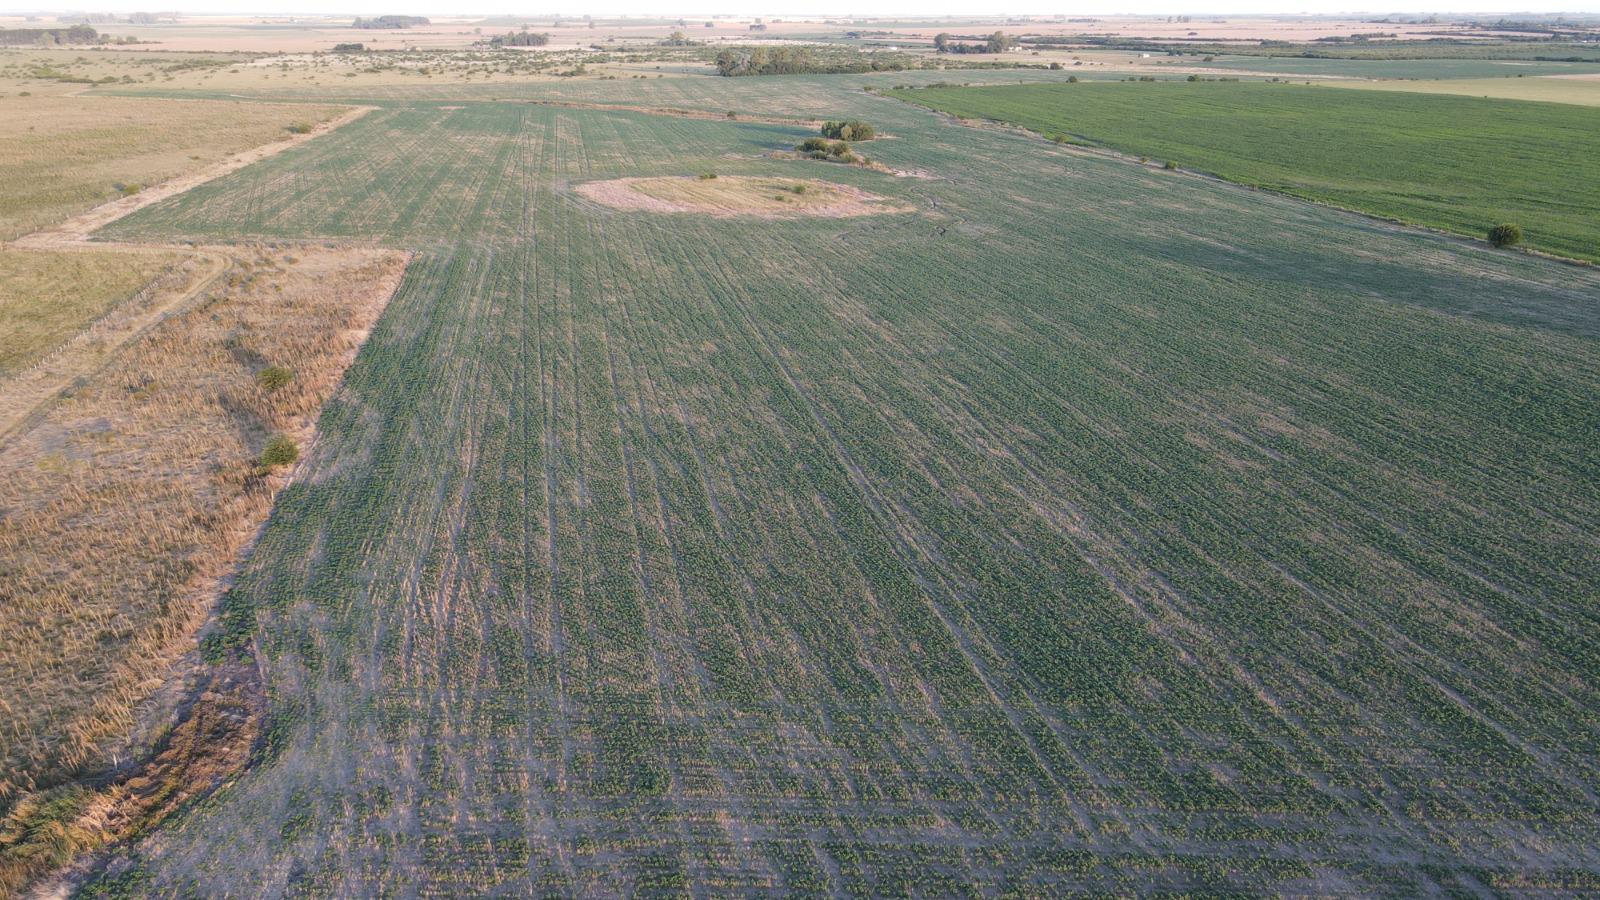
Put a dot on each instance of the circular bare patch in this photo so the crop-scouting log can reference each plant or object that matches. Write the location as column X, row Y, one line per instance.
column 736, row 195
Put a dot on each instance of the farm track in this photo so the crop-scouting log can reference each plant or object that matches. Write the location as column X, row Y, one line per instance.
column 645, row 553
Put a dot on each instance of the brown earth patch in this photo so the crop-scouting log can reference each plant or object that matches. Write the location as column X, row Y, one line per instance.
column 739, row 196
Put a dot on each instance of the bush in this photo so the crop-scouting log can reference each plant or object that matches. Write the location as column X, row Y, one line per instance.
column 300, row 128
column 813, row 145
column 708, row 176
column 273, row 377
column 280, row 451
column 849, row 130
column 1170, row 165
column 1505, row 234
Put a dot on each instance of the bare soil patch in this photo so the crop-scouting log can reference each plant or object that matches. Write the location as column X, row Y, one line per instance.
column 732, row 196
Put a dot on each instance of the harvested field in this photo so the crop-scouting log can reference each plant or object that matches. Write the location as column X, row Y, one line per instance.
column 127, row 500
column 46, row 297
column 768, row 198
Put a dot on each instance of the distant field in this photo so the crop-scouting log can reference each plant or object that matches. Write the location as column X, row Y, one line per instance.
column 60, row 154
column 1581, row 91
column 1448, row 162
column 1401, row 68
column 48, row 296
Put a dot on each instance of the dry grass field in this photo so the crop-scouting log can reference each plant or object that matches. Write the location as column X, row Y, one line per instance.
column 137, row 491
column 48, row 296
column 62, row 154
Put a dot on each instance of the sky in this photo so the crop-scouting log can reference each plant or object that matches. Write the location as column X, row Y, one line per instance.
column 691, row 8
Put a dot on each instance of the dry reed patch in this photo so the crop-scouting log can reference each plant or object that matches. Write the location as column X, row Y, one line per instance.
column 770, row 198
column 46, row 297
column 125, row 502
column 63, row 154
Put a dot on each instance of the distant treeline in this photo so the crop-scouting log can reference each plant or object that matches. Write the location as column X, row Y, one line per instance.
column 25, row 37
column 999, row 42
column 799, row 61
column 389, row 22
column 520, row 39
column 1519, row 48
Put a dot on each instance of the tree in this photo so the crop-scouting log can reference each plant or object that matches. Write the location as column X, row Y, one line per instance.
column 941, row 41
column 1000, row 42
column 1506, row 234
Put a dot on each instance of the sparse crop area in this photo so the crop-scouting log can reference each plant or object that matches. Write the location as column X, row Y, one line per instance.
column 1457, row 163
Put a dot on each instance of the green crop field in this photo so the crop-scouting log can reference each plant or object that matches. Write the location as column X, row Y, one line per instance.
column 1456, row 163
column 1087, row 527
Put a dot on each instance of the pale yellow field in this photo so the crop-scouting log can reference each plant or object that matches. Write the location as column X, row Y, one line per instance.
column 47, row 296
column 62, row 154
column 1549, row 88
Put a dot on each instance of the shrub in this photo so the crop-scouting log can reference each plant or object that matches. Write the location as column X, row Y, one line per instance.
column 849, row 130
column 280, row 451
column 1170, row 165
column 707, row 176
column 1072, row 79
column 300, row 128
column 273, row 377
column 1505, row 234
column 813, row 144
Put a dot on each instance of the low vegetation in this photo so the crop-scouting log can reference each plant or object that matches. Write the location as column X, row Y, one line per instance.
column 1448, row 162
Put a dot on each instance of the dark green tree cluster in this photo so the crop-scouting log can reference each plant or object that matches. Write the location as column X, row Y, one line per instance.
column 822, row 148
column 999, row 42
column 798, row 61
column 849, row 130
column 24, row 37
column 520, row 39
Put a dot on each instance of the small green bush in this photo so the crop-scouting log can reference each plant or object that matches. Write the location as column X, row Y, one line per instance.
column 813, row 144
column 708, row 176
column 273, row 377
column 280, row 451
column 1506, row 234
column 300, row 128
